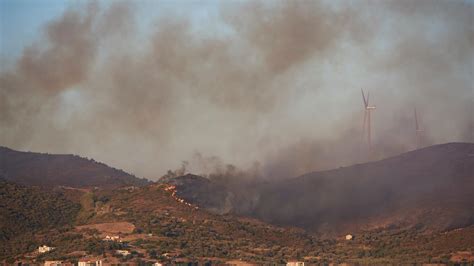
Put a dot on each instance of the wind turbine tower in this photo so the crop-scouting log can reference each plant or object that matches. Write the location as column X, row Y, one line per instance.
column 418, row 130
column 366, row 126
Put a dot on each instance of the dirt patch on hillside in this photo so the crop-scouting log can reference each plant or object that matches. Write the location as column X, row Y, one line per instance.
column 113, row 228
column 462, row 256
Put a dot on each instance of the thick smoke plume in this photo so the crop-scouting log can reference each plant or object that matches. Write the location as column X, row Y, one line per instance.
column 276, row 83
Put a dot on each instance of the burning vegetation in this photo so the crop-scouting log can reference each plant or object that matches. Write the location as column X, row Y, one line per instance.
column 172, row 189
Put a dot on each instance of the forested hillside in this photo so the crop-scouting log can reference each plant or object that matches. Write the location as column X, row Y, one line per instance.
column 28, row 211
column 40, row 169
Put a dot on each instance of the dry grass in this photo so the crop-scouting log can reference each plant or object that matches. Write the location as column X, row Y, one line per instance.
column 112, row 228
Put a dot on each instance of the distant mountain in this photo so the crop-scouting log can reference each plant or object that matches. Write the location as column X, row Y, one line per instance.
column 39, row 169
column 431, row 188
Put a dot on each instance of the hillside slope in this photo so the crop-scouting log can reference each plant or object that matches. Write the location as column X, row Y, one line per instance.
column 150, row 219
column 155, row 224
column 431, row 187
column 39, row 169
column 25, row 211
column 221, row 195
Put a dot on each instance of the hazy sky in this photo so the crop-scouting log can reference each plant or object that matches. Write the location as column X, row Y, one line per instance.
column 271, row 86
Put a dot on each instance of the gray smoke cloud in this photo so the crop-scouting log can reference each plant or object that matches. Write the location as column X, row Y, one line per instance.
column 267, row 85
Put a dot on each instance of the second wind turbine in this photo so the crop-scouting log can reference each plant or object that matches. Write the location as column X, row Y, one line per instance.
column 366, row 126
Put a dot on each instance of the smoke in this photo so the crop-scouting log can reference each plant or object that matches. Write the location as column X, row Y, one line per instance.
column 271, row 87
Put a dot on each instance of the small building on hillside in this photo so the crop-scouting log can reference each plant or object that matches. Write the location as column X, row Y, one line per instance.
column 349, row 237
column 53, row 263
column 112, row 238
column 90, row 262
column 44, row 249
column 295, row 263
column 123, row 252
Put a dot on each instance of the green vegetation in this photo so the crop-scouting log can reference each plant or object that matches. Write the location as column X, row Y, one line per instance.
column 30, row 211
column 87, row 207
column 168, row 230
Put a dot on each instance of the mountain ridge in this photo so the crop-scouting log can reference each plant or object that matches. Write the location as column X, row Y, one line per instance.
column 47, row 170
column 417, row 187
column 402, row 185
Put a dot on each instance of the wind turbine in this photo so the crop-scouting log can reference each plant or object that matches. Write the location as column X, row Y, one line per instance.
column 367, row 120
column 418, row 130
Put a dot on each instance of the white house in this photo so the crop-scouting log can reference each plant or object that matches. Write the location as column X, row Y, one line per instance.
column 112, row 238
column 295, row 263
column 123, row 252
column 349, row 237
column 44, row 249
column 89, row 262
column 53, row 263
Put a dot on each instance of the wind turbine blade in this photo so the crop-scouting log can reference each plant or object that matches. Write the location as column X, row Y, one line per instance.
column 363, row 97
column 369, row 133
column 368, row 95
column 363, row 125
column 416, row 121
